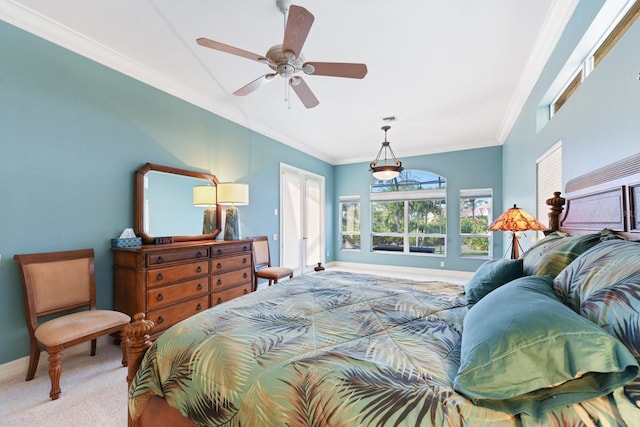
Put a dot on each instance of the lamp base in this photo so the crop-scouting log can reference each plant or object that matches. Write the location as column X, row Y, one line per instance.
column 232, row 224
column 514, row 247
column 209, row 221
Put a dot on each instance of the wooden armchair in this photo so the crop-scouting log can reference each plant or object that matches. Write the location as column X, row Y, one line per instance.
column 61, row 287
column 262, row 263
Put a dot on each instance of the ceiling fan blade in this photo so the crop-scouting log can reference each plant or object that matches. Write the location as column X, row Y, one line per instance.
column 335, row 69
column 257, row 83
column 295, row 33
column 304, row 93
column 230, row 49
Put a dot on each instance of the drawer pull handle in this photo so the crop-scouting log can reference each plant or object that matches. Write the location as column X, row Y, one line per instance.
column 199, row 269
column 198, row 307
column 244, row 260
column 199, row 286
column 219, row 282
column 160, row 259
column 160, row 297
column 246, row 291
column 219, row 300
column 219, row 251
column 160, row 320
column 160, row 276
column 219, row 265
column 244, row 248
column 245, row 275
column 199, row 254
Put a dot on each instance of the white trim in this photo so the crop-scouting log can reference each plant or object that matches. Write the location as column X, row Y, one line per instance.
column 303, row 174
column 555, row 23
column 549, row 151
column 440, row 193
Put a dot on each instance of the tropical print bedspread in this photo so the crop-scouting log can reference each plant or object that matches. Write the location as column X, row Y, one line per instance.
column 328, row 349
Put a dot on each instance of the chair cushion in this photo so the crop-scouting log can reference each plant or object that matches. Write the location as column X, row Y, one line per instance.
column 67, row 328
column 274, row 273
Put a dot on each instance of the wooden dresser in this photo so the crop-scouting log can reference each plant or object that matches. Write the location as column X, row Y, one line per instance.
column 174, row 281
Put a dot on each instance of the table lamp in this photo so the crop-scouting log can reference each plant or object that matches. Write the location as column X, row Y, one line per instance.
column 516, row 220
column 232, row 194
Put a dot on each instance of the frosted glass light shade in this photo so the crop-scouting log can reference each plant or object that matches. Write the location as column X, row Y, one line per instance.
column 204, row 195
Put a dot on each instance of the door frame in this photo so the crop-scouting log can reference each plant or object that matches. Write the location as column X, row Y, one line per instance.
column 303, row 174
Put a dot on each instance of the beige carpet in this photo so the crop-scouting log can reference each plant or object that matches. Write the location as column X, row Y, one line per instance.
column 94, row 392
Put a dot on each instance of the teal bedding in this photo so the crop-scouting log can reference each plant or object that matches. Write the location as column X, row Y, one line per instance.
column 336, row 349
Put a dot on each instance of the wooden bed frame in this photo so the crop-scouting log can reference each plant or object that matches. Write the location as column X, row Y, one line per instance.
column 608, row 197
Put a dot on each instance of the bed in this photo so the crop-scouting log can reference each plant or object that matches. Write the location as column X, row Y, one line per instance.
column 551, row 339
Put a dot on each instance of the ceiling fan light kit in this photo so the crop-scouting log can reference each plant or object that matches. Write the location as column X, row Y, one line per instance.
column 286, row 59
column 386, row 166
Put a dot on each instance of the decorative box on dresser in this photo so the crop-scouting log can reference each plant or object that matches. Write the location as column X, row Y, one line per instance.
column 171, row 282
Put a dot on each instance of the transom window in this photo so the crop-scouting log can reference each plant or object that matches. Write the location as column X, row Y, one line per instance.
column 619, row 24
column 408, row 214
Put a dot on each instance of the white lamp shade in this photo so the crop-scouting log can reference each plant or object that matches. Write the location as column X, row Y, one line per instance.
column 233, row 193
column 204, row 195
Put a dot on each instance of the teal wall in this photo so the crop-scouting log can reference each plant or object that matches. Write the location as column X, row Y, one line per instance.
column 598, row 125
column 465, row 169
column 72, row 133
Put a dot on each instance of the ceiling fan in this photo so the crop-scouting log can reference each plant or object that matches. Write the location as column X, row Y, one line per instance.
column 286, row 59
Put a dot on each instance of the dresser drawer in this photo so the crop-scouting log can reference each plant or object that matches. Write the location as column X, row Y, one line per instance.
column 231, row 278
column 166, row 317
column 167, row 295
column 156, row 259
column 160, row 276
column 233, row 248
column 230, row 263
column 229, row 294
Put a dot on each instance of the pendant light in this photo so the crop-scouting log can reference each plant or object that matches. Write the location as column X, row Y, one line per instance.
column 386, row 166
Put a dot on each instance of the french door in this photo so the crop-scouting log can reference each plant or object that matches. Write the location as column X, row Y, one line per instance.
column 301, row 219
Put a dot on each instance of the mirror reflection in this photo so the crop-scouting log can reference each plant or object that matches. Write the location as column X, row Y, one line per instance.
column 176, row 203
column 169, row 206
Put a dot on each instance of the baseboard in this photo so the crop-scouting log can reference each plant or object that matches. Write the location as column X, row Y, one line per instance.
column 390, row 270
column 18, row 367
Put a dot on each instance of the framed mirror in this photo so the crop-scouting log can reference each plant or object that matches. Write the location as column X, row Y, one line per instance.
column 165, row 205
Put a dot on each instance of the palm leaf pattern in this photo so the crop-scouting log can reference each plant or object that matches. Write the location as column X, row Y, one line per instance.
column 336, row 349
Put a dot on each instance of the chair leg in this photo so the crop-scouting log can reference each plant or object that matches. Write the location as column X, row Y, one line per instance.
column 93, row 346
column 55, row 370
column 34, row 358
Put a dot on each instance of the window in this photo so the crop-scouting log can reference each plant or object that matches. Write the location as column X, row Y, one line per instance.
column 475, row 216
column 548, row 180
column 618, row 21
column 408, row 214
column 350, row 222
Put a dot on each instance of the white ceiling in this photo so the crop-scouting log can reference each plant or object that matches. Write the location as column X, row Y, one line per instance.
column 455, row 73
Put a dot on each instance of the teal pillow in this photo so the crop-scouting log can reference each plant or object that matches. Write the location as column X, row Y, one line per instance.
column 491, row 275
column 523, row 350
